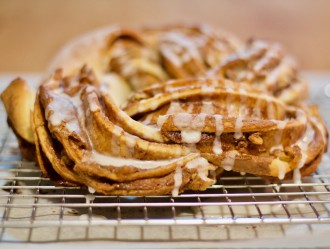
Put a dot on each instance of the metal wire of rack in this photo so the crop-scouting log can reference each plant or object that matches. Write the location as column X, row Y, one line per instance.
column 31, row 207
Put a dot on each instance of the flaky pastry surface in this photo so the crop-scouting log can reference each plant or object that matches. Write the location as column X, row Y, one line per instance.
column 163, row 110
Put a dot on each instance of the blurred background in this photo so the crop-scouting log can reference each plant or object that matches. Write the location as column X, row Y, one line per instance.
column 31, row 32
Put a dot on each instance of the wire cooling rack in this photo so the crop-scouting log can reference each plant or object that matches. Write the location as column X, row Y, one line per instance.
column 32, row 208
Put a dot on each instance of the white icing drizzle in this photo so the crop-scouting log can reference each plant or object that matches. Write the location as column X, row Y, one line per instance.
column 182, row 120
column 207, row 107
column 186, row 57
column 79, row 105
column 276, row 147
column 190, row 136
column 67, row 111
column 59, row 109
column 81, row 116
column 218, row 124
column 243, row 111
column 91, row 190
column 281, row 124
column 278, row 187
column 198, row 121
column 231, row 108
column 161, row 120
column 130, row 142
column 177, row 181
column 190, row 108
column 115, row 146
column 301, row 116
column 229, row 161
column 229, row 86
column 190, row 126
column 217, row 148
column 271, row 53
column 107, row 160
column 256, row 109
column 296, row 171
column 238, row 128
column 169, row 88
column 208, row 89
column 182, row 45
column 246, row 76
column 281, row 171
column 270, row 110
column 320, row 127
column 303, row 144
column 278, row 138
column 93, row 105
column 174, row 58
column 175, row 107
column 272, row 77
column 280, row 167
column 242, row 91
column 202, row 166
column 89, row 198
column 175, row 95
column 286, row 64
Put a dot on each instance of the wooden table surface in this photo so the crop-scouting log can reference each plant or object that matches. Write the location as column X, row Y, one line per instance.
column 31, row 32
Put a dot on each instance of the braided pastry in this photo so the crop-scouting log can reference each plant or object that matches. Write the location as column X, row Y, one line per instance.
column 161, row 111
column 234, row 126
column 265, row 66
column 78, row 130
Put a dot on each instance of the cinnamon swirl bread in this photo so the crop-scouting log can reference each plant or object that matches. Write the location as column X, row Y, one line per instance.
column 161, row 111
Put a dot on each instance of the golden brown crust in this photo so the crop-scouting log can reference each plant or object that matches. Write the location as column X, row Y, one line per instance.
column 139, row 58
column 18, row 99
column 241, row 129
column 170, row 135
column 72, row 127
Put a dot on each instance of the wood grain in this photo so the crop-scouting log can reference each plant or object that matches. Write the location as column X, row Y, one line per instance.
column 31, row 32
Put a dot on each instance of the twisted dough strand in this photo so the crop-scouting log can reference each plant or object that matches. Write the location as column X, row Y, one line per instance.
column 160, row 111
